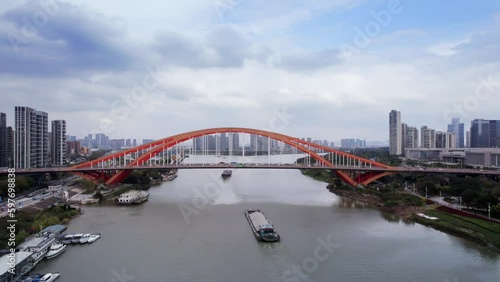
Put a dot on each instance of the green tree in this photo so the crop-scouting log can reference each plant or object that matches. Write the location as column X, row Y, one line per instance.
column 21, row 236
column 484, row 199
column 468, row 196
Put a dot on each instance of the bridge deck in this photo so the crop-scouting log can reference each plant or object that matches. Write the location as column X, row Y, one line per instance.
column 261, row 166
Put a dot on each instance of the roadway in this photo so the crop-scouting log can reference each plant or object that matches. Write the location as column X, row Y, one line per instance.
column 263, row 166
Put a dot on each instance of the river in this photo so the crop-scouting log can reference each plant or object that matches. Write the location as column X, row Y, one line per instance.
column 193, row 229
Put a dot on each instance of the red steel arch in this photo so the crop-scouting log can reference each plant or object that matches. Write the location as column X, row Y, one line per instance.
column 160, row 145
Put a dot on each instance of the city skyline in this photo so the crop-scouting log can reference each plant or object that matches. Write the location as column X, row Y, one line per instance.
column 223, row 66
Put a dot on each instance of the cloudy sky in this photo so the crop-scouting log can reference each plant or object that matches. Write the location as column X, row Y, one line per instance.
column 326, row 69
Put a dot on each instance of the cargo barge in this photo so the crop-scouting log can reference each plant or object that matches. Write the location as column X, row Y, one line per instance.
column 262, row 228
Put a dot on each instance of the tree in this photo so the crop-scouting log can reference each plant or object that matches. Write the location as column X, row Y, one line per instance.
column 468, row 196
column 484, row 199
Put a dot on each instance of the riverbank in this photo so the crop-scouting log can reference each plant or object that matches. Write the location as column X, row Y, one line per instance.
column 399, row 203
column 480, row 231
column 408, row 206
column 396, row 202
column 31, row 223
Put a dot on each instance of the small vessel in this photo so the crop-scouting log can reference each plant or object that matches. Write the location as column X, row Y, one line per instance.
column 261, row 227
column 55, row 249
column 85, row 238
column 31, row 278
column 67, row 239
column 94, row 237
column 38, row 244
column 227, row 173
column 49, row 277
column 169, row 177
column 76, row 238
column 133, row 197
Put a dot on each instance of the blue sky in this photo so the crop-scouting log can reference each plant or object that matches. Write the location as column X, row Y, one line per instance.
column 238, row 62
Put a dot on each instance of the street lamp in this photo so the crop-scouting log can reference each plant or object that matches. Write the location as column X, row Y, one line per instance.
column 426, row 192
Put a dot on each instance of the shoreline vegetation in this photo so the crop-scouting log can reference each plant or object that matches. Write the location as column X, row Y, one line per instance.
column 407, row 206
column 32, row 223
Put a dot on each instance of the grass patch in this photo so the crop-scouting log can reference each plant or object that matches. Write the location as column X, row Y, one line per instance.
column 487, row 233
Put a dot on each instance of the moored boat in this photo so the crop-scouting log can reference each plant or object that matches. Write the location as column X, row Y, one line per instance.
column 76, row 238
column 49, row 277
column 262, row 228
column 94, row 237
column 67, row 239
column 85, row 238
column 55, row 249
column 133, row 197
column 31, row 278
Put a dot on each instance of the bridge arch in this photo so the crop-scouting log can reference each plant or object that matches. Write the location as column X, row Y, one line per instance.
column 156, row 147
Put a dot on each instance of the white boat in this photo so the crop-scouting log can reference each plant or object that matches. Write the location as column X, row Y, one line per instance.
column 94, row 237
column 85, row 238
column 55, row 249
column 76, row 238
column 67, row 239
column 133, row 197
column 39, row 245
column 49, row 277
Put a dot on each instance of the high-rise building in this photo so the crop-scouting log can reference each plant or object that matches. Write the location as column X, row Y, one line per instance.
column 73, row 147
column 485, row 133
column 101, row 140
column 58, row 142
column 458, row 128
column 31, row 138
column 234, row 142
column 427, row 137
column 404, row 129
column 42, row 139
column 352, row 143
column 467, row 139
column 445, row 140
column 224, row 142
column 70, row 138
column 347, row 143
column 10, row 146
column 395, row 136
column 262, row 143
column 411, row 137
column 3, row 140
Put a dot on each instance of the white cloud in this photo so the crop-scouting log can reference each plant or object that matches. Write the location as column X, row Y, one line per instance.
column 237, row 73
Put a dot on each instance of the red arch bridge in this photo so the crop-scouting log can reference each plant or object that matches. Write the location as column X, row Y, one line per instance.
column 169, row 153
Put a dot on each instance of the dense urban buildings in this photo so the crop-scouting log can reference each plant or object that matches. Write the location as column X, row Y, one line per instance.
column 73, row 147
column 58, row 142
column 395, row 133
column 352, row 143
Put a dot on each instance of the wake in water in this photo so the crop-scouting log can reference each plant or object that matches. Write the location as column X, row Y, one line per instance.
column 280, row 265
